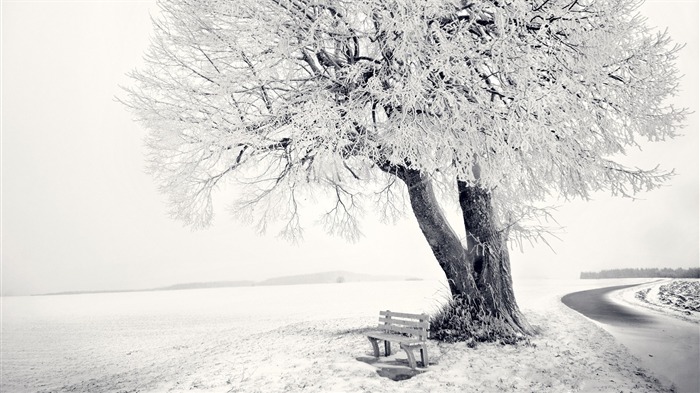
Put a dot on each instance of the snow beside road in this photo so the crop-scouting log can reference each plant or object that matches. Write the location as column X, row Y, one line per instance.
column 651, row 296
column 299, row 338
column 669, row 343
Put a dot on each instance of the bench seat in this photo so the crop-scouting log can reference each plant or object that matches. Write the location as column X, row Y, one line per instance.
column 397, row 338
column 408, row 330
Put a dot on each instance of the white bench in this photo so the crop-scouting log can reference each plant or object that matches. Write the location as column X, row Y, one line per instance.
column 408, row 330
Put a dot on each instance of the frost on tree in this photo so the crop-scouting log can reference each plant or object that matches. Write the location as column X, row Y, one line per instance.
column 494, row 104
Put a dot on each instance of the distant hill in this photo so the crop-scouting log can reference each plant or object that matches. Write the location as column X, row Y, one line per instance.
column 176, row 287
column 315, row 278
column 201, row 285
column 92, row 292
column 329, row 277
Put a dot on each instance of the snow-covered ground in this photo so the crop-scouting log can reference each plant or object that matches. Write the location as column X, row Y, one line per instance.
column 679, row 298
column 669, row 343
column 296, row 338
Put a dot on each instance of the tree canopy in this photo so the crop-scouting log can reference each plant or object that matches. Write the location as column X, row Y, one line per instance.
column 524, row 99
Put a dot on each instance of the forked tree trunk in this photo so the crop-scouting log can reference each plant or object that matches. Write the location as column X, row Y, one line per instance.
column 478, row 275
column 487, row 252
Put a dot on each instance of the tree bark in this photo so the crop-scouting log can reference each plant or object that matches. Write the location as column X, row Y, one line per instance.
column 478, row 275
column 443, row 240
column 487, row 252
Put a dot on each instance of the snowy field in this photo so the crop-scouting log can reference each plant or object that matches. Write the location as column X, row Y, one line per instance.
column 669, row 343
column 677, row 297
column 295, row 338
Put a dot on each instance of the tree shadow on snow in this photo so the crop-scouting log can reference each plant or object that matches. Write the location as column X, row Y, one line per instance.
column 391, row 367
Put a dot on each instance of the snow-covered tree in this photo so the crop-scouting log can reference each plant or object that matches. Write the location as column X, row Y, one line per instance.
column 495, row 104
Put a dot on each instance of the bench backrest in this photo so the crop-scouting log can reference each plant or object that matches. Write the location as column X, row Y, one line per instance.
column 397, row 322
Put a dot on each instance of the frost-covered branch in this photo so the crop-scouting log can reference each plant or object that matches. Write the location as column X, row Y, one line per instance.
column 342, row 96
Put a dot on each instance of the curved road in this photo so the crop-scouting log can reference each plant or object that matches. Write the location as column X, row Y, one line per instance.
column 665, row 345
column 595, row 304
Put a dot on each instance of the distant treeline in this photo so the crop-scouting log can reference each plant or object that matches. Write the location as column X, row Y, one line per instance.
column 644, row 273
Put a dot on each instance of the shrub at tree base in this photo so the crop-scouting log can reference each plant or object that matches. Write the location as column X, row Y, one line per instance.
column 456, row 322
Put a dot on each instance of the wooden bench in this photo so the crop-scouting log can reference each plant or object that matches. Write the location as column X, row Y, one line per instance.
column 408, row 330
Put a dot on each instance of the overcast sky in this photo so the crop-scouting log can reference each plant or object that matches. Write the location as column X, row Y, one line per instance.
column 79, row 213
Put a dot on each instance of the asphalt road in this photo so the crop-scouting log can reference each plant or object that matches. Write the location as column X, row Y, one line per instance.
column 667, row 346
column 595, row 305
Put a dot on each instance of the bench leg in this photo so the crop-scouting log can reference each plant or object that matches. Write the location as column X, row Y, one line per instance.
column 424, row 355
column 375, row 347
column 411, row 358
column 387, row 348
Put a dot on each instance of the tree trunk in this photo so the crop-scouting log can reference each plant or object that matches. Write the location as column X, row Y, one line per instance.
column 487, row 251
column 483, row 305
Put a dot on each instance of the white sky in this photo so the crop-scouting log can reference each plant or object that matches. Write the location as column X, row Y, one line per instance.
column 79, row 213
